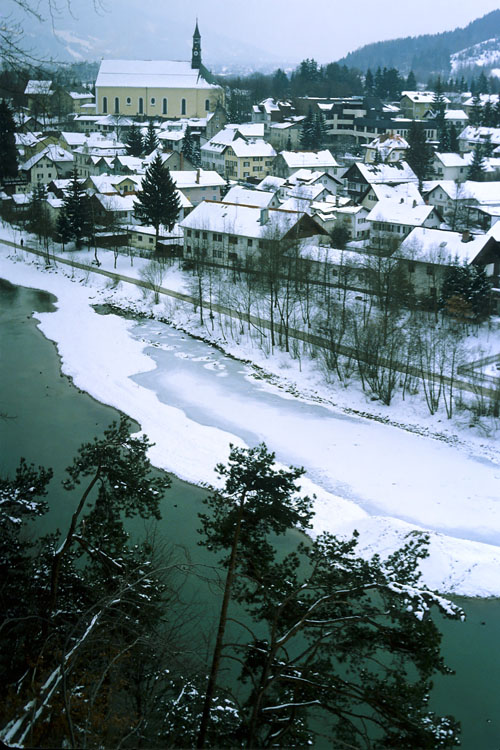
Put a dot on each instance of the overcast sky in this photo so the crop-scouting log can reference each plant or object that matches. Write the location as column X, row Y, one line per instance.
column 326, row 29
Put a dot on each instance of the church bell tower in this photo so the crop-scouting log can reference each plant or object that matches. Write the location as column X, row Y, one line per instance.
column 196, row 54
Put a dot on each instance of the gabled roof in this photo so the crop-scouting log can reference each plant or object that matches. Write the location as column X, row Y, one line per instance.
column 482, row 192
column 192, row 178
column 170, row 74
column 425, row 97
column 400, row 213
column 405, row 191
column 245, row 221
column 474, row 134
column 442, row 247
column 257, row 147
column 53, row 152
column 309, row 159
column 454, row 160
column 389, row 173
column 239, row 194
column 38, row 87
column 270, row 182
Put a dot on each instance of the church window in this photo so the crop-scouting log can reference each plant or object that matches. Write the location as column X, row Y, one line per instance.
column 153, row 101
column 105, row 104
column 117, row 105
column 207, row 105
column 129, row 100
column 183, row 106
column 164, row 106
column 141, row 105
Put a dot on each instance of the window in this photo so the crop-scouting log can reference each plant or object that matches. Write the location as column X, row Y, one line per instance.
column 151, row 240
column 249, row 243
column 140, row 238
column 188, row 249
column 246, row 163
column 141, row 105
column 117, row 105
column 246, row 174
column 411, row 267
column 204, row 235
column 153, row 101
column 207, row 105
column 196, row 234
column 189, row 233
column 49, row 175
column 164, row 106
column 233, row 240
column 183, row 106
column 129, row 101
column 105, row 104
column 430, row 271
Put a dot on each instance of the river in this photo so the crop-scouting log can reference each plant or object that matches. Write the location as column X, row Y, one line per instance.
column 45, row 418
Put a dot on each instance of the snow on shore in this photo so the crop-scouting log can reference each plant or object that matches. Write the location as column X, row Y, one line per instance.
column 381, row 480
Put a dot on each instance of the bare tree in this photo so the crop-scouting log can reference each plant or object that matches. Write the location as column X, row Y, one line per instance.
column 152, row 275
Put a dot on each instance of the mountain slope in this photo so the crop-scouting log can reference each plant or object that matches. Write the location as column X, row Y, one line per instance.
column 427, row 54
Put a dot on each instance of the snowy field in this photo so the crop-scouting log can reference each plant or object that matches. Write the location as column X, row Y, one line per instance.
column 193, row 400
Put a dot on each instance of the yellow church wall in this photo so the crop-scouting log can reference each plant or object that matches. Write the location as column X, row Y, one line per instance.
column 128, row 101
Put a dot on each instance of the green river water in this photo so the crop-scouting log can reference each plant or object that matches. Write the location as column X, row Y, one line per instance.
column 45, row 418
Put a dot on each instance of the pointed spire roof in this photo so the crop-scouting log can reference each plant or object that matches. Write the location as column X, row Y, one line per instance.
column 197, row 31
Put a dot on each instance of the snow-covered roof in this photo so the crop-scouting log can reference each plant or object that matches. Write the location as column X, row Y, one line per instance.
column 333, row 256
column 270, row 182
column 426, row 97
column 308, row 176
column 455, row 114
column 405, row 191
column 481, row 192
column 474, row 134
column 491, row 98
column 453, row 159
column 27, row 139
column 151, row 74
column 253, row 148
column 38, row 87
column 77, row 95
column 309, row 159
column 239, row 194
column 245, row 221
column 74, row 139
column 192, row 178
column 104, row 183
column 301, row 191
column 400, row 172
column 116, row 202
column 53, row 152
column 442, row 247
column 400, row 213
column 171, row 135
column 388, row 141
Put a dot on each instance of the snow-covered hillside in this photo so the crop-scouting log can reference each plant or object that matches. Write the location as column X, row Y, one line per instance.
column 485, row 54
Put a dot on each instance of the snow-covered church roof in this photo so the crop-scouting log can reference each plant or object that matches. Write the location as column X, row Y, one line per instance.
column 169, row 74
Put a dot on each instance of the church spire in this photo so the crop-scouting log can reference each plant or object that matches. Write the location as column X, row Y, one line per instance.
column 196, row 54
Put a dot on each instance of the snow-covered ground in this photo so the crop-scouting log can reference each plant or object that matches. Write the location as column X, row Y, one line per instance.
column 193, row 400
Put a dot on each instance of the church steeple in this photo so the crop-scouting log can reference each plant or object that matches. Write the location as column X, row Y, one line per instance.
column 196, row 54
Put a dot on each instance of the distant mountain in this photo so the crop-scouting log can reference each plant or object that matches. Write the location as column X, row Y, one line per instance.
column 450, row 52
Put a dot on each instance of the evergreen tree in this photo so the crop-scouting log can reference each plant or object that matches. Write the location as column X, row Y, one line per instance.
column 158, row 202
column 320, row 133
column 76, row 206
column 475, row 113
column 63, row 228
column 477, row 168
column 289, row 142
column 445, row 140
column 411, row 82
column 439, row 108
column 466, row 292
column 482, row 86
column 419, row 154
column 369, row 83
column 191, row 148
column 488, row 115
column 134, row 141
column 8, row 153
column 496, row 114
column 280, row 84
column 328, row 630
column 488, row 146
column 308, row 132
column 453, row 139
column 150, row 139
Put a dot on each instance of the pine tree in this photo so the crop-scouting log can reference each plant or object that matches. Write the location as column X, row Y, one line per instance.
column 191, row 148
column 63, row 227
column 369, row 83
column 158, row 202
column 150, row 139
column 466, row 292
column 439, row 107
column 477, row 167
column 319, row 130
column 134, row 141
column 8, row 153
column 453, row 139
column 308, row 132
column 77, row 209
column 445, row 140
column 411, row 82
column 488, row 115
column 475, row 113
column 419, row 155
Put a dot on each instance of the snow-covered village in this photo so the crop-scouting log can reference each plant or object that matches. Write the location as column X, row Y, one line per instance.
column 250, row 367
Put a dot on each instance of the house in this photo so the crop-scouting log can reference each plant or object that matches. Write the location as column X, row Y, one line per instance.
column 199, row 184
column 393, row 221
column 228, row 232
column 406, row 192
column 288, row 162
column 415, row 104
column 142, row 238
column 461, row 200
column 39, row 95
column 386, row 148
column 249, row 197
column 52, row 163
column 427, row 253
column 158, row 88
column 471, row 136
column 340, row 211
column 285, row 135
column 311, row 177
column 359, row 177
column 248, row 158
column 452, row 166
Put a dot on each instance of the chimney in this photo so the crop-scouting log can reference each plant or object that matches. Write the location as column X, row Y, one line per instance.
column 264, row 215
column 401, row 200
column 466, row 236
column 414, row 203
column 197, row 176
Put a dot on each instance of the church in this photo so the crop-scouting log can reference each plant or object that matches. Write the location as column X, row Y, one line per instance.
column 153, row 89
